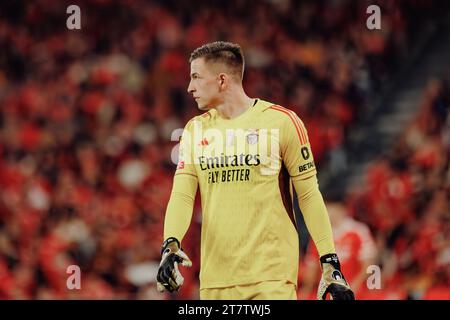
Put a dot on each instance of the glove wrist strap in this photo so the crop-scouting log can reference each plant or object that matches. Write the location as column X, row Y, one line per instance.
column 169, row 241
column 332, row 259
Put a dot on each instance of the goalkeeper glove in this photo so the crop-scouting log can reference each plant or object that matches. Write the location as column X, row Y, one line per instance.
column 169, row 276
column 332, row 280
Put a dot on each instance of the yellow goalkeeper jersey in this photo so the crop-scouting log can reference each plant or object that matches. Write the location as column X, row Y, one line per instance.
column 244, row 167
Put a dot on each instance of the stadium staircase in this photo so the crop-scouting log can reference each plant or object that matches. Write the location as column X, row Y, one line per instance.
column 388, row 115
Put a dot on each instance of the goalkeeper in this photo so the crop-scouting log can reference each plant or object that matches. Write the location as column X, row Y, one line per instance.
column 249, row 241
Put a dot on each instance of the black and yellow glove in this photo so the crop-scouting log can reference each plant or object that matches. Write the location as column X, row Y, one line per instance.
column 169, row 276
column 332, row 281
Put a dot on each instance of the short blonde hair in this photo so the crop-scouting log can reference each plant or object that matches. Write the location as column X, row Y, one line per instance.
column 227, row 53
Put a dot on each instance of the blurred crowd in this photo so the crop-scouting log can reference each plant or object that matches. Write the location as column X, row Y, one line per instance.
column 87, row 120
column 399, row 218
column 405, row 201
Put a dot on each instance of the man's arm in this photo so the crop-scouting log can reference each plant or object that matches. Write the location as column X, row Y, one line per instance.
column 178, row 217
column 180, row 207
column 298, row 158
column 185, row 182
column 318, row 223
column 315, row 214
column 299, row 161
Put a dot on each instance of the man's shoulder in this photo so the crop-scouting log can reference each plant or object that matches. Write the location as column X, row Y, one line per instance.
column 202, row 118
column 264, row 105
column 277, row 112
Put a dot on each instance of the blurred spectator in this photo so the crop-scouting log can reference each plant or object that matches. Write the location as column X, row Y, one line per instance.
column 355, row 247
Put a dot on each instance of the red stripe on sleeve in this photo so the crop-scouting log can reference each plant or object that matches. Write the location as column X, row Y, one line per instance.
column 300, row 125
column 300, row 132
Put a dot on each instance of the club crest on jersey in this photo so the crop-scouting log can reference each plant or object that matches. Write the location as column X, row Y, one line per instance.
column 252, row 136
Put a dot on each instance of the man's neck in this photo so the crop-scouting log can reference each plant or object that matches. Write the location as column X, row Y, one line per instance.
column 234, row 105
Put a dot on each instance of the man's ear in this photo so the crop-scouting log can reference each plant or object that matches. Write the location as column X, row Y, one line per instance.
column 223, row 80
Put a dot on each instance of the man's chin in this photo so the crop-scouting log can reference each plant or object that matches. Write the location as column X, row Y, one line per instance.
column 202, row 107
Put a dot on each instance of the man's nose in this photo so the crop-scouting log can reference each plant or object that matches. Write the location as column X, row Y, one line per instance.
column 190, row 88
